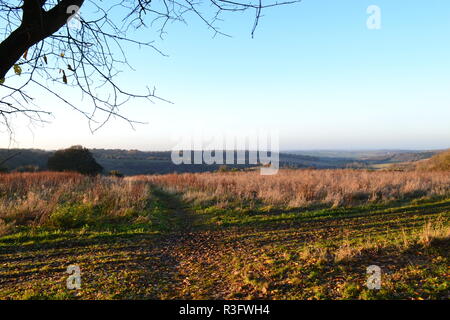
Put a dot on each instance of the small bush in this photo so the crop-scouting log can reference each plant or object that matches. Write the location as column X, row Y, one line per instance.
column 76, row 159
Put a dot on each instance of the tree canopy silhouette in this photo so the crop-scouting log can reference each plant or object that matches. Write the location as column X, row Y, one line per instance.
column 40, row 49
column 75, row 158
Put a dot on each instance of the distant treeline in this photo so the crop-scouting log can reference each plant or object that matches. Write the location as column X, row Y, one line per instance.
column 134, row 162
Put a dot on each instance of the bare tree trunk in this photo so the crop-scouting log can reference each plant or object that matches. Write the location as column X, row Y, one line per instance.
column 11, row 49
column 37, row 24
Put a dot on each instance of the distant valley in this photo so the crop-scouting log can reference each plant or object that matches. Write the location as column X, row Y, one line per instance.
column 135, row 162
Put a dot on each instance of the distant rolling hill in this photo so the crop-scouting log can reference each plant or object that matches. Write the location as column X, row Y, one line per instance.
column 133, row 162
column 440, row 161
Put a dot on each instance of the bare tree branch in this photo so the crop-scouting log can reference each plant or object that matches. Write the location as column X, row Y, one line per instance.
column 42, row 50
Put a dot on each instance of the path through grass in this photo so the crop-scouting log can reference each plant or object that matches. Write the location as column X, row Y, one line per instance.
column 186, row 253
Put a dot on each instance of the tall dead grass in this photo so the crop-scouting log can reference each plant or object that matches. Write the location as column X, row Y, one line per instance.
column 434, row 231
column 31, row 198
column 297, row 188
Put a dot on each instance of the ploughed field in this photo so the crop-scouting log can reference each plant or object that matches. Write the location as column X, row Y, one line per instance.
column 300, row 234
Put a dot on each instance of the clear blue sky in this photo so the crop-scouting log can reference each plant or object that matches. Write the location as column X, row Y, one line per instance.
column 314, row 72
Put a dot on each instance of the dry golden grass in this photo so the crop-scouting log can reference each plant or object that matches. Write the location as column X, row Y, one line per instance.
column 439, row 162
column 270, row 255
column 434, row 230
column 297, row 188
column 30, row 198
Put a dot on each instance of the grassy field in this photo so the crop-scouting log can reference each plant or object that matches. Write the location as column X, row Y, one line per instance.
column 299, row 235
